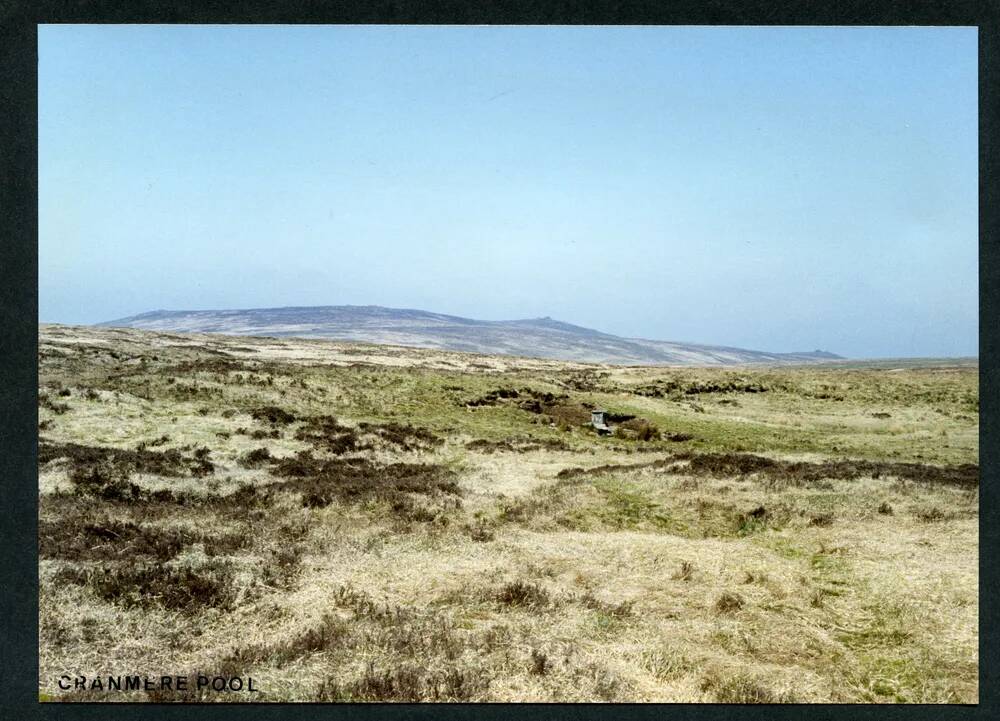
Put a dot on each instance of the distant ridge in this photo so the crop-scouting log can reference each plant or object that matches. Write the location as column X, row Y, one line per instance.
column 538, row 337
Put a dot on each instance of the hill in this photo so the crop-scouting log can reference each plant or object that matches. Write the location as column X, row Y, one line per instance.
column 539, row 337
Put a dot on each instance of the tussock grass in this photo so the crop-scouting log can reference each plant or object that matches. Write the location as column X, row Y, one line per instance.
column 348, row 522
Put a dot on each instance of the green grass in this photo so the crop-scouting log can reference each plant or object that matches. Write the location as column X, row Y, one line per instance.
column 628, row 506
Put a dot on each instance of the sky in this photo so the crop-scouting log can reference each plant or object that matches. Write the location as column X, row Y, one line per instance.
column 778, row 189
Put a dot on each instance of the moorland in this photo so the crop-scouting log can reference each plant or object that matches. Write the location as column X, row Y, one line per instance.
column 357, row 522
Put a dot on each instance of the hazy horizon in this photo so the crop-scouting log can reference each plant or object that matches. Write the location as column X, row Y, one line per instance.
column 776, row 189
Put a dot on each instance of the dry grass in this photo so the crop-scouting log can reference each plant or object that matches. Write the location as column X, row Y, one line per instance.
column 355, row 523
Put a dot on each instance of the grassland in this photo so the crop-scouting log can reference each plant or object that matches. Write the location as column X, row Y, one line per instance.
column 360, row 523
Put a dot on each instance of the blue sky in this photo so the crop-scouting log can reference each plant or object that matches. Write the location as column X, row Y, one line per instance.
column 772, row 188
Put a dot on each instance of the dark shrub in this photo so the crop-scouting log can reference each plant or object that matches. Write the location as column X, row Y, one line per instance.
column 45, row 402
column 358, row 479
column 255, row 458
column 182, row 589
column 539, row 663
column 729, row 602
column 821, row 519
column 272, row 415
column 71, row 538
column 684, row 571
column 648, row 432
column 929, row 515
column 520, row 593
column 743, row 689
column 103, row 480
column 327, row 433
column 407, row 683
column 405, row 436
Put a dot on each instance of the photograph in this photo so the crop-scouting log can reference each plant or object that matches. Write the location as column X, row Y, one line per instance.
column 507, row 364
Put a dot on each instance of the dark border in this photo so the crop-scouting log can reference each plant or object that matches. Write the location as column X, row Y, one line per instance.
column 19, row 310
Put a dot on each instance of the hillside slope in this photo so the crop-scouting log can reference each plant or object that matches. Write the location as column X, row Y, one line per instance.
column 539, row 337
